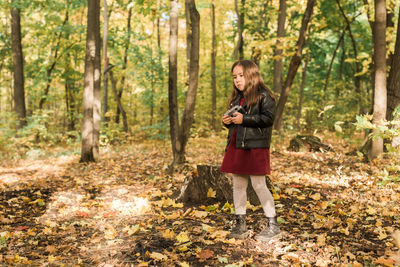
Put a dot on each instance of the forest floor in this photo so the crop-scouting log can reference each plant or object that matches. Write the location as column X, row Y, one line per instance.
column 333, row 209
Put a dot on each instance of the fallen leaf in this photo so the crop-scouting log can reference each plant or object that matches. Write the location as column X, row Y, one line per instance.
column 316, row 196
column 182, row 237
column 158, row 256
column 51, row 249
column 199, row 214
column 386, row 262
column 211, row 193
column 110, row 214
column 168, row 234
column 21, row 228
column 205, row 254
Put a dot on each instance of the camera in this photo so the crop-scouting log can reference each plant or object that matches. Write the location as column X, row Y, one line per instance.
column 234, row 109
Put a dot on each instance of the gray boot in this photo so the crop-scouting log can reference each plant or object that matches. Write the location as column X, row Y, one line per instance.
column 239, row 231
column 271, row 230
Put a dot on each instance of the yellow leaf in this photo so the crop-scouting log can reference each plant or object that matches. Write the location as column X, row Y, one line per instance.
column 182, row 237
column 110, row 234
column 168, row 234
column 323, row 205
column 276, row 196
column 199, row 214
column 316, row 196
column 321, row 240
column 219, row 234
column 173, row 216
column 344, row 230
column 382, row 235
column 184, row 264
column 211, row 193
column 130, row 230
column 158, row 256
column 371, row 211
column 208, row 229
column 51, row 258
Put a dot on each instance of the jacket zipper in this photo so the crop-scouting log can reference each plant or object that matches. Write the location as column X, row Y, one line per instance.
column 245, row 128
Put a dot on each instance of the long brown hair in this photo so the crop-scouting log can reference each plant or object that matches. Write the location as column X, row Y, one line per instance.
column 253, row 86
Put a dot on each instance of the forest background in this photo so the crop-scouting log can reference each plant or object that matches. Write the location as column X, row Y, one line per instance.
column 82, row 78
column 335, row 50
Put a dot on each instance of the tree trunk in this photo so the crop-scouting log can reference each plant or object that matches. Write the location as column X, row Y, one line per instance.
column 371, row 24
column 238, row 52
column 357, row 83
column 278, row 49
column 188, row 36
column 91, row 93
column 393, row 86
column 303, row 83
column 118, row 100
column 213, row 77
column 18, row 67
column 194, row 189
column 294, row 65
column 173, row 79
column 50, row 70
column 105, row 62
column 324, row 98
column 124, row 64
column 380, row 99
column 188, row 114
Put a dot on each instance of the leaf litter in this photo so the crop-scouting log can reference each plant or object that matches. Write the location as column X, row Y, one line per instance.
column 332, row 208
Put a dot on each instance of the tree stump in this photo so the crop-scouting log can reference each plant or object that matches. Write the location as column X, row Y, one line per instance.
column 310, row 142
column 195, row 188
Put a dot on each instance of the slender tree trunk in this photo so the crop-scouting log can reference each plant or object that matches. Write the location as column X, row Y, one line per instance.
column 118, row 100
column 342, row 57
column 161, row 73
column 105, row 62
column 324, row 98
column 294, row 65
column 213, row 77
column 188, row 114
column 50, row 70
column 188, row 36
column 128, row 27
column 380, row 102
column 91, row 93
column 393, row 93
column 357, row 81
column 278, row 49
column 238, row 52
column 371, row 24
column 18, row 67
column 172, row 81
column 302, row 86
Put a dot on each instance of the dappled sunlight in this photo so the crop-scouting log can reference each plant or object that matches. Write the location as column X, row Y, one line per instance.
column 79, row 204
column 29, row 170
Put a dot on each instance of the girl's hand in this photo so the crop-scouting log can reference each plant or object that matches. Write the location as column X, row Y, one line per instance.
column 227, row 119
column 238, row 119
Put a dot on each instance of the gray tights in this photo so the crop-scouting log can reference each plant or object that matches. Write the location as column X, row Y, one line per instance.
column 259, row 185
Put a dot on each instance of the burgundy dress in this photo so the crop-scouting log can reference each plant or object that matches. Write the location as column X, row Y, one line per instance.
column 254, row 161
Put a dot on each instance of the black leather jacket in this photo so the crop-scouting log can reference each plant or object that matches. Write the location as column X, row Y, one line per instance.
column 256, row 129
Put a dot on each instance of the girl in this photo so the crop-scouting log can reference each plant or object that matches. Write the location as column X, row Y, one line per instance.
column 247, row 151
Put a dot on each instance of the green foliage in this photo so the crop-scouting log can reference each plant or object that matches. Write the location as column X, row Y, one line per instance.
column 387, row 130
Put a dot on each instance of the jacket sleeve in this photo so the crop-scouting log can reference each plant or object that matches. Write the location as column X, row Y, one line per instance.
column 266, row 116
